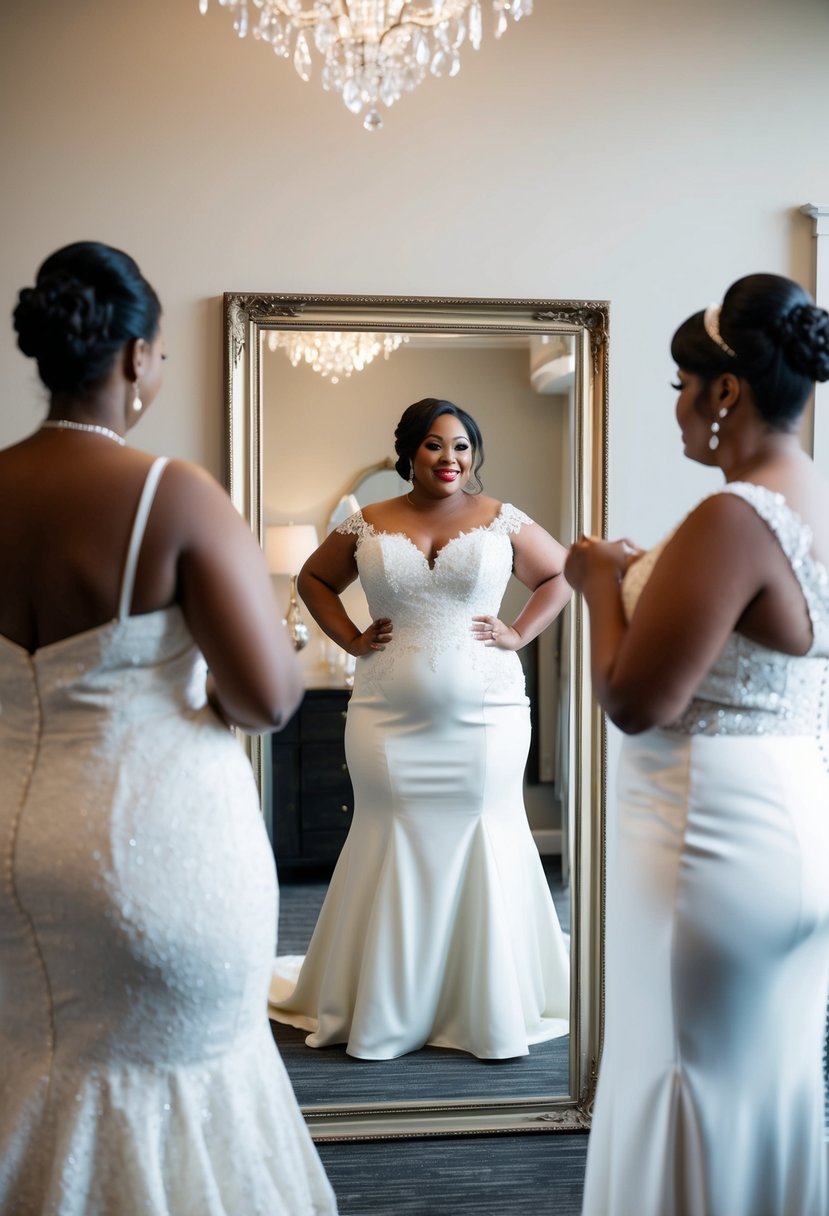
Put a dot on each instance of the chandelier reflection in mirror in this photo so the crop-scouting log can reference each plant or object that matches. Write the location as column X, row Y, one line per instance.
column 373, row 51
column 334, row 355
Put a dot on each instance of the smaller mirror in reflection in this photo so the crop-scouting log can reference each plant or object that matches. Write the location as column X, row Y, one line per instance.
column 374, row 484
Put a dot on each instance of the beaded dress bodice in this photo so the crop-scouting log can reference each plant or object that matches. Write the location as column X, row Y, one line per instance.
column 752, row 690
column 431, row 606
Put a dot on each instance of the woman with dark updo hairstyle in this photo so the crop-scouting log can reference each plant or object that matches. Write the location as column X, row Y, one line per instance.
column 438, row 926
column 711, row 653
column 137, row 894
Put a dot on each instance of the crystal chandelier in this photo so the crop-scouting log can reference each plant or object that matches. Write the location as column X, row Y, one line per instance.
column 373, row 51
column 334, row 355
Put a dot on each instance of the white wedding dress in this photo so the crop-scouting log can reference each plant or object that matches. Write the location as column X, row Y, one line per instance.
column 138, row 1073
column 438, row 926
column 710, row 1093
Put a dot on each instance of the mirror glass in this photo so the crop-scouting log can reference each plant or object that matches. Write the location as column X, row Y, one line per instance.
column 307, row 447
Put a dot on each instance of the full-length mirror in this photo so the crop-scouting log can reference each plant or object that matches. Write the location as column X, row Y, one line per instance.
column 315, row 387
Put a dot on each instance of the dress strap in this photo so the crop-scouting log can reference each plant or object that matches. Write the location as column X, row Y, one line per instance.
column 142, row 513
column 793, row 535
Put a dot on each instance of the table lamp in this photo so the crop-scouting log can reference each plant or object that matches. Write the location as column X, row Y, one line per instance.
column 287, row 546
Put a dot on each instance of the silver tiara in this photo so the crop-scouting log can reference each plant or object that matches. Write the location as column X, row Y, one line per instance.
column 711, row 321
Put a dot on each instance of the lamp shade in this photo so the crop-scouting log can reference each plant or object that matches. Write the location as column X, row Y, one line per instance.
column 287, row 547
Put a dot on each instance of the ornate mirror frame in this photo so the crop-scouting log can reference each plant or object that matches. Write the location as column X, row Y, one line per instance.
column 247, row 319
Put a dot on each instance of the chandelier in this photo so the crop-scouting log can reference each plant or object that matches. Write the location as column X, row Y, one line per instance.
column 334, row 355
column 373, row 51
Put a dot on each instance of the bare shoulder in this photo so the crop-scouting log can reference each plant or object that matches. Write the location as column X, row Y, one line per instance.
column 185, row 484
column 487, row 505
column 383, row 515
column 724, row 531
column 183, row 477
column 192, row 503
column 721, row 510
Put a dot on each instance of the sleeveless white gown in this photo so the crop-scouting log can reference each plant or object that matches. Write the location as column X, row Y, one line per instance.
column 438, row 926
column 710, row 1093
column 138, row 1073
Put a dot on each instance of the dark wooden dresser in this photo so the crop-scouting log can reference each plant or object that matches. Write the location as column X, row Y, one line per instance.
column 312, row 796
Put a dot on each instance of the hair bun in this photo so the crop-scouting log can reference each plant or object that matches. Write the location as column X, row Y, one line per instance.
column 61, row 311
column 804, row 338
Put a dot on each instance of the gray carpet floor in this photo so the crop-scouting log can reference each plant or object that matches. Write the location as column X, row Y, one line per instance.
column 533, row 1175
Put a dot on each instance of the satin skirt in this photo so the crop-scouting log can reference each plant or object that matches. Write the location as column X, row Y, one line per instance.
column 438, row 926
column 710, row 1093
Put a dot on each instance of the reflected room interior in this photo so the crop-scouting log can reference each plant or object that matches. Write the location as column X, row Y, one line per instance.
column 519, row 389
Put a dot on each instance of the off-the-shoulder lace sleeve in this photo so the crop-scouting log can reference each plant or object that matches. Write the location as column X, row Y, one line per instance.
column 510, row 519
column 355, row 525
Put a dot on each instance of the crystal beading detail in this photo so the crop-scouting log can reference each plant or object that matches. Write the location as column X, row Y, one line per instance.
column 752, row 690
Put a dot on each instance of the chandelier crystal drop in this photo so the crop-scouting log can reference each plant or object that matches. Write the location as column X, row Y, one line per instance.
column 334, row 355
column 373, row 51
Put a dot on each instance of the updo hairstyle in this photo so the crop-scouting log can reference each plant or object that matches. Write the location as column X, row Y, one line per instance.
column 780, row 340
column 417, row 422
column 88, row 300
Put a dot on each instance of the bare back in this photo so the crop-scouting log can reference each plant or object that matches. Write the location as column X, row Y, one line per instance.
column 66, row 511
column 67, row 506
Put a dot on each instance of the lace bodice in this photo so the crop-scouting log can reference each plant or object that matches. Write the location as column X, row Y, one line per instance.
column 752, row 690
column 431, row 607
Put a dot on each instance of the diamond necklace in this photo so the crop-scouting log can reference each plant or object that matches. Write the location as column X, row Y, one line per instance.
column 65, row 424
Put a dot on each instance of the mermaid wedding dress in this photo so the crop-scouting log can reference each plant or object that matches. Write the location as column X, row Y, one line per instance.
column 138, row 1072
column 438, row 926
column 710, row 1093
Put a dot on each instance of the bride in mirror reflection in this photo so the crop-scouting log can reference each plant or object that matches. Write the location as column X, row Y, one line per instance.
column 438, row 927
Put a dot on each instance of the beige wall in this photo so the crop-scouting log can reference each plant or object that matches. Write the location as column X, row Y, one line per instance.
column 319, row 435
column 646, row 152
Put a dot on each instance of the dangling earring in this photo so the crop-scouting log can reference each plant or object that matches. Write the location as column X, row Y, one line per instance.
column 137, row 403
column 714, row 441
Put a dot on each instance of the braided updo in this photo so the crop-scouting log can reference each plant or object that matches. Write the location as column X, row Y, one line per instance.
column 780, row 340
column 804, row 338
column 87, row 301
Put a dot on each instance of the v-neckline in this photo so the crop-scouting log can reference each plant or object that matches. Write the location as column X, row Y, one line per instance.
column 432, row 565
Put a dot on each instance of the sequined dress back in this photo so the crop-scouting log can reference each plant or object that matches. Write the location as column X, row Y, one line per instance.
column 710, row 1095
column 138, row 1074
column 438, row 926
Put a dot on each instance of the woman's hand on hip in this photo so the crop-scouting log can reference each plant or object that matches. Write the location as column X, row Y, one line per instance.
column 375, row 637
column 493, row 632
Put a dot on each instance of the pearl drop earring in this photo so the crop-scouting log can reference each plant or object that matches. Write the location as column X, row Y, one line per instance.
column 137, row 403
column 714, row 441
